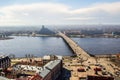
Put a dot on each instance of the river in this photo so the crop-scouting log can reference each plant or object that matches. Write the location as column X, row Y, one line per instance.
column 40, row 46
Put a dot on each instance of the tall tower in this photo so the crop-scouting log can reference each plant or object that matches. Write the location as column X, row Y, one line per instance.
column 43, row 27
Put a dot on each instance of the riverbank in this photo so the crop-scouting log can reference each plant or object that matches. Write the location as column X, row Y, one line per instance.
column 95, row 36
column 35, row 35
column 7, row 38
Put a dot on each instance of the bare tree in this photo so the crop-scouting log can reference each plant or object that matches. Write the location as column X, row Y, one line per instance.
column 96, row 59
column 12, row 56
column 81, row 60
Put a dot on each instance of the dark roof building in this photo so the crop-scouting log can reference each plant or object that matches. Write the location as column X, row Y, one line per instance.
column 5, row 62
column 51, row 70
column 46, row 31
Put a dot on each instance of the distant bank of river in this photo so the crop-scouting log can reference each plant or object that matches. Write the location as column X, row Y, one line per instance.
column 6, row 38
column 40, row 46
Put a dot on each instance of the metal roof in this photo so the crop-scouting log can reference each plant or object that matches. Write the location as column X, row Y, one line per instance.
column 43, row 73
column 49, row 66
column 52, row 64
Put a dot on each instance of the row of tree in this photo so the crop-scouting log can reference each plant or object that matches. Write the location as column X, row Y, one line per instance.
column 12, row 56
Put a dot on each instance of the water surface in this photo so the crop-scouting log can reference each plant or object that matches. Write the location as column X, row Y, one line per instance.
column 99, row 45
column 40, row 46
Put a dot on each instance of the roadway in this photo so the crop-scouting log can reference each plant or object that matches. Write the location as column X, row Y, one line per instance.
column 74, row 46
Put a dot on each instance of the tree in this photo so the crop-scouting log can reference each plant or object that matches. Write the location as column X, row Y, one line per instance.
column 96, row 59
column 81, row 60
column 26, row 55
column 12, row 56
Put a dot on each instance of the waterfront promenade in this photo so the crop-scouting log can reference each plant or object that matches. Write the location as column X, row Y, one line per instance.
column 78, row 51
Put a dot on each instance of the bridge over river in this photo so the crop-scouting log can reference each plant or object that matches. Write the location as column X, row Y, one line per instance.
column 78, row 51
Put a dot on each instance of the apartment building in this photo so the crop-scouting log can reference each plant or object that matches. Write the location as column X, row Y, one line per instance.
column 5, row 62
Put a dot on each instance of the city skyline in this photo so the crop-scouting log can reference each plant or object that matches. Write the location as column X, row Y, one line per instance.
column 59, row 12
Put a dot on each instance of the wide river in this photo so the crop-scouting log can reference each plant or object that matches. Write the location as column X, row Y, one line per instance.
column 40, row 46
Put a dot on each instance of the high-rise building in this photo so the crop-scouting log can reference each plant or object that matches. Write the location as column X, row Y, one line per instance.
column 5, row 62
column 46, row 31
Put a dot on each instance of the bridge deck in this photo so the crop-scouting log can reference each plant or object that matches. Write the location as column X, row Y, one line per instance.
column 76, row 49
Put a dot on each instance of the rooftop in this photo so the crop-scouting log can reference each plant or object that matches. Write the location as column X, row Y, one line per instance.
column 52, row 64
column 43, row 73
column 27, row 67
column 45, row 70
column 2, row 56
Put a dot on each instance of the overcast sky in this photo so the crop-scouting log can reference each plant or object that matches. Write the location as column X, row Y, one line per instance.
column 50, row 12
